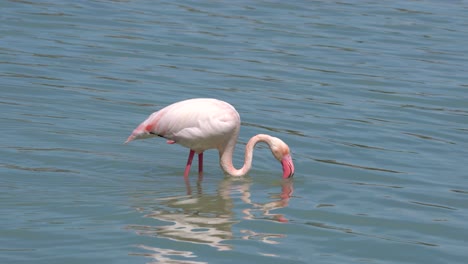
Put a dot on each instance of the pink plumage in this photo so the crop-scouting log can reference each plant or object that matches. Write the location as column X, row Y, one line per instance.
column 203, row 123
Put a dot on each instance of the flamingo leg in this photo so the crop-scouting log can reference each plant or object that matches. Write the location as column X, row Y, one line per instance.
column 189, row 163
column 200, row 166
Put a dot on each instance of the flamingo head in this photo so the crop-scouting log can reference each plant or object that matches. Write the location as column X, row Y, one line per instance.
column 282, row 153
column 141, row 132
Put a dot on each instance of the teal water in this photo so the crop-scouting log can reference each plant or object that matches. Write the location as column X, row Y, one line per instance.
column 371, row 96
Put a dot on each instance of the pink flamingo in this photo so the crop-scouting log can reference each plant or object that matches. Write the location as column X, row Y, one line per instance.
column 201, row 124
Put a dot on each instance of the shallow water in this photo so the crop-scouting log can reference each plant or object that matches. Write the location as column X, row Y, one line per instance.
column 370, row 96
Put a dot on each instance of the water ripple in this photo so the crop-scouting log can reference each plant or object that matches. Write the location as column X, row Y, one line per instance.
column 37, row 169
column 356, row 166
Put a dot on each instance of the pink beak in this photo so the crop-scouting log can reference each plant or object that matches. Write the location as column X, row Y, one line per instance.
column 288, row 166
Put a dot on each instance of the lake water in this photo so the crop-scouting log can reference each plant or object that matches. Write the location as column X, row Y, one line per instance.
column 371, row 96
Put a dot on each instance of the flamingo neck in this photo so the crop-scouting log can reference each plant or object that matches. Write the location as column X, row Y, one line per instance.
column 227, row 152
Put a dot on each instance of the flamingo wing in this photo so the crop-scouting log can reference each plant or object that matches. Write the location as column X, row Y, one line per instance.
column 198, row 124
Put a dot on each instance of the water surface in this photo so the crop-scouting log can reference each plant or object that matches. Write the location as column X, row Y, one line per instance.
column 370, row 96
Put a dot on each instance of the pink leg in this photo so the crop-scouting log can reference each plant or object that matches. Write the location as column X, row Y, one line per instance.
column 189, row 163
column 200, row 166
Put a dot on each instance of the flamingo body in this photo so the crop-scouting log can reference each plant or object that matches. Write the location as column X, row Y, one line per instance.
column 204, row 123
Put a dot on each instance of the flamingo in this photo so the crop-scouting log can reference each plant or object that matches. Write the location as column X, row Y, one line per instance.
column 204, row 123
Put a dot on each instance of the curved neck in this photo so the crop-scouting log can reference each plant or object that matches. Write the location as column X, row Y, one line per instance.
column 225, row 154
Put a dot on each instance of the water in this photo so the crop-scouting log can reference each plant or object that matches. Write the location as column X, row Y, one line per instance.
column 370, row 96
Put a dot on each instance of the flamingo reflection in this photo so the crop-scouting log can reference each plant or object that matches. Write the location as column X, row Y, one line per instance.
column 208, row 219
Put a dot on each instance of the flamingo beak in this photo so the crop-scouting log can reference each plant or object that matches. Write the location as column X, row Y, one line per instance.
column 288, row 166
